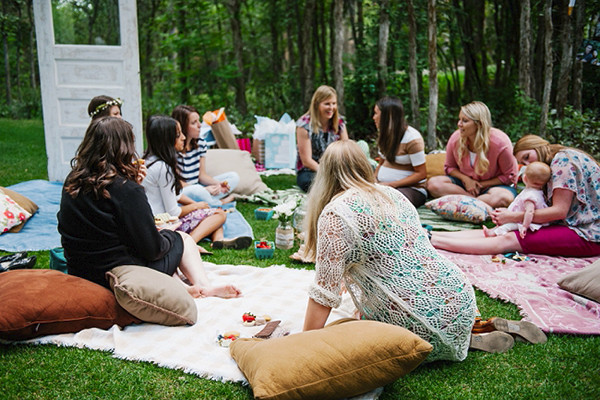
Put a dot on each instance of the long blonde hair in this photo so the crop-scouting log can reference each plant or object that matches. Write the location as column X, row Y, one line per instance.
column 342, row 166
column 544, row 150
column 322, row 93
column 479, row 113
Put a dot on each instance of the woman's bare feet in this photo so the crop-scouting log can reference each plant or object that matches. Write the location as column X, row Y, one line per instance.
column 225, row 292
column 227, row 199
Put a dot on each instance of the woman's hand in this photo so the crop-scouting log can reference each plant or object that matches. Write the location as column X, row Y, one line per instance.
column 472, row 186
column 142, row 172
column 224, row 187
column 501, row 216
column 213, row 189
column 201, row 205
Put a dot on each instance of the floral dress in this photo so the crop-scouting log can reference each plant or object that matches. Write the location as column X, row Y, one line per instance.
column 318, row 141
column 381, row 254
column 580, row 174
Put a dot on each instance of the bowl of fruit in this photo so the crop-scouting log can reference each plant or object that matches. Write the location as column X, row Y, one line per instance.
column 263, row 213
column 264, row 249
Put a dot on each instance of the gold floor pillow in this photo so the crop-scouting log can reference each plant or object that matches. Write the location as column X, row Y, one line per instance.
column 341, row 360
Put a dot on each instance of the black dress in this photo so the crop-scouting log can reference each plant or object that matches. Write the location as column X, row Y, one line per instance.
column 100, row 234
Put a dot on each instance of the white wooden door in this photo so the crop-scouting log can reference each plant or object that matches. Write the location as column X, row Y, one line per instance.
column 71, row 75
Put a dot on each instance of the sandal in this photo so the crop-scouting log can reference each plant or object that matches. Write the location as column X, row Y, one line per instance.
column 238, row 243
column 523, row 329
column 492, row 342
column 482, row 326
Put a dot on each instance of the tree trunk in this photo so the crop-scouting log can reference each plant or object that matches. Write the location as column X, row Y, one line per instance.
column 7, row 88
column 566, row 62
column 412, row 65
column 547, row 66
column 238, row 46
column 307, row 53
column 319, row 38
column 577, row 67
column 472, row 82
column 525, row 48
column 382, row 43
column 275, row 56
column 31, row 53
column 433, row 83
column 337, row 49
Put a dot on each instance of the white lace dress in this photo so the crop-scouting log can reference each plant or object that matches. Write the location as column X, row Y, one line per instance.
column 383, row 257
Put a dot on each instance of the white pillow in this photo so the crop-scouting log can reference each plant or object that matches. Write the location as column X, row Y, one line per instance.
column 219, row 161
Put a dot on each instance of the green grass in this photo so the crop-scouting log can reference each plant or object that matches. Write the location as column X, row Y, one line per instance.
column 564, row 368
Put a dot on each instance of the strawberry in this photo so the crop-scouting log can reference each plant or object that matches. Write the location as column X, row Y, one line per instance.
column 248, row 317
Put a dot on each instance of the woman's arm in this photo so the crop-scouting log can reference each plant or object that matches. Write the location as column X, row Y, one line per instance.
column 316, row 315
column 305, row 149
column 412, row 180
column 561, row 202
column 343, row 133
column 212, row 185
column 472, row 186
column 189, row 205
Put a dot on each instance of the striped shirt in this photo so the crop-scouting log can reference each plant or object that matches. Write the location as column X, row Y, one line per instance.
column 189, row 162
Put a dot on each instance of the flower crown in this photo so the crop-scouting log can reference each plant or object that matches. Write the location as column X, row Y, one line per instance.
column 104, row 106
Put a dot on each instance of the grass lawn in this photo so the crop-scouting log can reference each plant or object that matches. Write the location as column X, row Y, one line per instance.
column 566, row 367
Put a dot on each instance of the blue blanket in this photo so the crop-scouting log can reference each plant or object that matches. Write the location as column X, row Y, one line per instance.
column 40, row 232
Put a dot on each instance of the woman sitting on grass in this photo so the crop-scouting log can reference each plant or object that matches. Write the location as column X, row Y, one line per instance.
column 105, row 220
column 163, row 185
column 574, row 193
column 368, row 239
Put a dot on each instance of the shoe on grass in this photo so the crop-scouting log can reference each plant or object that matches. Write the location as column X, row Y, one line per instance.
column 492, row 342
column 238, row 243
column 524, row 329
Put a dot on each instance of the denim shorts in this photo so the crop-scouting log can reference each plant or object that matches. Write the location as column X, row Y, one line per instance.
column 458, row 182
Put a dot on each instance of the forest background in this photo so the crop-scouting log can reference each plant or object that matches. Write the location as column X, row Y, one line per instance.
column 266, row 57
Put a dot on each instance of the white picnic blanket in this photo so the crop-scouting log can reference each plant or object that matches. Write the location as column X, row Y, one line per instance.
column 277, row 291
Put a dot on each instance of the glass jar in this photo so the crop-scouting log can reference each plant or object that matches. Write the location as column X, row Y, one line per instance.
column 284, row 235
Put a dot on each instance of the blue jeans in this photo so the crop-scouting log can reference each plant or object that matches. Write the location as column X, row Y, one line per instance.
column 198, row 192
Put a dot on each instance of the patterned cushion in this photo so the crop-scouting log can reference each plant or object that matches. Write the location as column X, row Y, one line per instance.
column 11, row 213
column 458, row 207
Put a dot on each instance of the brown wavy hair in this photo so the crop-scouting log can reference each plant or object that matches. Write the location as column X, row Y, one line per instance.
column 545, row 150
column 392, row 127
column 182, row 113
column 106, row 153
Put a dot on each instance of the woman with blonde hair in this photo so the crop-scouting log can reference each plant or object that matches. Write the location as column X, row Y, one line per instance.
column 573, row 193
column 315, row 130
column 479, row 161
column 367, row 238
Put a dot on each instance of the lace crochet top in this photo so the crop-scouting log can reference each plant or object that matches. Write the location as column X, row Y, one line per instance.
column 382, row 255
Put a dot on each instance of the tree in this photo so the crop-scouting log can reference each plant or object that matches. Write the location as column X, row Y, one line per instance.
column 566, row 60
column 525, row 48
column 433, row 80
column 382, row 46
column 547, row 66
column 337, row 51
column 412, row 64
column 233, row 6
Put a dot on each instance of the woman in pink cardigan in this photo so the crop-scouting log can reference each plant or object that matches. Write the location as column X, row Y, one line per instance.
column 479, row 160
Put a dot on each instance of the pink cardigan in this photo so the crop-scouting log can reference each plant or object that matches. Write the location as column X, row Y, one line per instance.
column 503, row 165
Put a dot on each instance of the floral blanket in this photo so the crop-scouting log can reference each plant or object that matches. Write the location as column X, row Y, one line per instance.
column 531, row 285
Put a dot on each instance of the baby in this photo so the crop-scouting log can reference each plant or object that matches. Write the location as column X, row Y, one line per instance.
column 537, row 174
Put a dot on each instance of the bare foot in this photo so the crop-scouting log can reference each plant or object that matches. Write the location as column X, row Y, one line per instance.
column 196, row 291
column 487, row 232
column 227, row 199
column 225, row 292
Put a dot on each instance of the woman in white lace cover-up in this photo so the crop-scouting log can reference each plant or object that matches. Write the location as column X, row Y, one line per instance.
column 368, row 239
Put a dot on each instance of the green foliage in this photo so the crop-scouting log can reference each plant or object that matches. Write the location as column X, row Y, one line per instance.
column 575, row 129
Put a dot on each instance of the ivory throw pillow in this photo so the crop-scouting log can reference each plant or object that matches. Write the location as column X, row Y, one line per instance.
column 457, row 207
column 152, row 296
column 219, row 161
column 38, row 302
column 584, row 282
column 341, row 360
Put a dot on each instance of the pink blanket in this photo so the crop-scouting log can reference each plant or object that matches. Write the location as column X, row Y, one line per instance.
column 531, row 285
